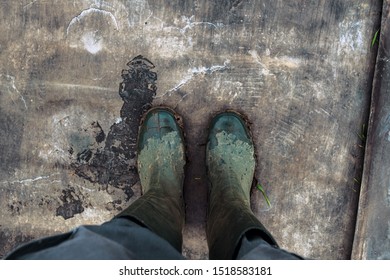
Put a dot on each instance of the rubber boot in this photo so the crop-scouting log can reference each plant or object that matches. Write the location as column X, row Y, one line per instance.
column 230, row 164
column 161, row 161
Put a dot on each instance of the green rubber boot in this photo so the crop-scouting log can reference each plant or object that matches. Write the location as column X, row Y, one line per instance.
column 230, row 164
column 161, row 161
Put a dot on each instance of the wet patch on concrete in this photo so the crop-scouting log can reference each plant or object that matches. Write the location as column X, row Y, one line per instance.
column 115, row 163
column 100, row 135
column 72, row 203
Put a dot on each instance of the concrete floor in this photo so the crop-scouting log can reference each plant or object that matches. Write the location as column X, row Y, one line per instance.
column 301, row 71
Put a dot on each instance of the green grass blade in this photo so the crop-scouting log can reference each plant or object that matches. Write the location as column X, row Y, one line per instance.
column 375, row 38
column 260, row 188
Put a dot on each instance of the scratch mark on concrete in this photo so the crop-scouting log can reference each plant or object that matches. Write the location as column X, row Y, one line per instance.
column 384, row 125
column 281, row 63
column 31, row 180
column 29, row 4
column 388, row 197
column 196, row 71
column 256, row 57
column 138, row 12
column 78, row 86
column 351, row 37
column 11, row 81
column 190, row 24
column 100, row 4
column 89, row 11
column 326, row 112
column 150, row 15
column 159, row 19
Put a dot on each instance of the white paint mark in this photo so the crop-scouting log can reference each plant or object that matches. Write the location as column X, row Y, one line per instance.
column 200, row 71
column 92, row 42
column 118, row 120
column 90, row 11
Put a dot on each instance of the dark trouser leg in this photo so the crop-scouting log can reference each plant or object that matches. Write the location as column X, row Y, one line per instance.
column 253, row 247
column 161, row 214
column 118, row 239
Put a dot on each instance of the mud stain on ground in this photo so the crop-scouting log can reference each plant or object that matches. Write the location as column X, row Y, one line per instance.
column 115, row 163
column 72, row 203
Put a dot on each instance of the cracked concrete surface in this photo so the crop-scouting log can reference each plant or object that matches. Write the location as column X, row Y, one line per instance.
column 300, row 71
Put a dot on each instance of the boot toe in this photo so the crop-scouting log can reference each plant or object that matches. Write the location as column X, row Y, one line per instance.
column 230, row 123
column 157, row 123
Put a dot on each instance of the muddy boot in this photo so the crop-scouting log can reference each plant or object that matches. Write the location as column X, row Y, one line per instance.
column 230, row 165
column 161, row 160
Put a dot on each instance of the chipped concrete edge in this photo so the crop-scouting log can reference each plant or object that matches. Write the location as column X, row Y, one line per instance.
column 360, row 246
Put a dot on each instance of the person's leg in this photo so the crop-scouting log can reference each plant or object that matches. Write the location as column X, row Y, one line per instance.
column 161, row 162
column 230, row 162
column 151, row 227
column 118, row 239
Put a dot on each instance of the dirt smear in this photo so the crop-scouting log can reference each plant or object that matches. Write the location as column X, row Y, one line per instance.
column 115, row 164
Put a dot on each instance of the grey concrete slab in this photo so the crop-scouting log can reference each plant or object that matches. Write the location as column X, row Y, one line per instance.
column 301, row 71
column 372, row 238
